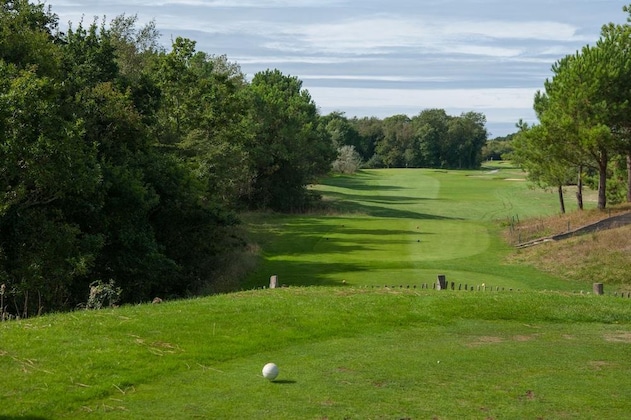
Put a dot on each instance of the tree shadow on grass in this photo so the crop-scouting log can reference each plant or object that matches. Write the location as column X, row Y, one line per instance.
column 293, row 273
column 358, row 182
column 381, row 205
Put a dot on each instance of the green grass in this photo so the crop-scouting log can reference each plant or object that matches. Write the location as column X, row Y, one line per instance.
column 357, row 350
column 343, row 353
column 406, row 227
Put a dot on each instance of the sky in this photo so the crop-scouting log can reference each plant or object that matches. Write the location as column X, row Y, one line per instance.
column 383, row 58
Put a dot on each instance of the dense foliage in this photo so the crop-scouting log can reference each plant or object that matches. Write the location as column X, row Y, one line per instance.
column 124, row 164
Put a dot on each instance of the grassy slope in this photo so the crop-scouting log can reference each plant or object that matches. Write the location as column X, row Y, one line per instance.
column 351, row 351
column 406, row 227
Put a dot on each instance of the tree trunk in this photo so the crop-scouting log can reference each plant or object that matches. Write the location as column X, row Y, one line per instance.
column 602, row 181
column 561, row 200
column 628, row 177
column 579, row 188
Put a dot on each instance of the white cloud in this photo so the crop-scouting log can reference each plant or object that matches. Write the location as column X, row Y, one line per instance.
column 474, row 99
column 376, row 78
column 210, row 3
column 289, row 59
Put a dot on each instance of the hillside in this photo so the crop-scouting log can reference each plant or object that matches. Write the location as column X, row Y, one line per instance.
column 599, row 255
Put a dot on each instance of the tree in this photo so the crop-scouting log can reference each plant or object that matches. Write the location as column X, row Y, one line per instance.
column 587, row 103
column 28, row 33
column 498, row 148
column 348, row 160
column 46, row 168
column 370, row 132
column 617, row 38
column 343, row 133
column 396, row 148
column 431, row 127
column 536, row 152
column 290, row 146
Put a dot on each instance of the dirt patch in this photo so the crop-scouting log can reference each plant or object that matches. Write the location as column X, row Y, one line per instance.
column 619, row 337
column 483, row 340
column 597, row 364
column 523, row 338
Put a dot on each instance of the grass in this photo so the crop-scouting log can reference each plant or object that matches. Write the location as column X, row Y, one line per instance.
column 541, row 227
column 603, row 257
column 348, row 347
column 343, row 353
column 405, row 227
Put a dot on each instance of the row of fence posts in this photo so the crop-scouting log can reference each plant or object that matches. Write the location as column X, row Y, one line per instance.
column 443, row 284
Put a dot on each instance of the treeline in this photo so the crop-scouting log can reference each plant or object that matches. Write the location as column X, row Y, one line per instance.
column 123, row 165
column 431, row 139
column 584, row 129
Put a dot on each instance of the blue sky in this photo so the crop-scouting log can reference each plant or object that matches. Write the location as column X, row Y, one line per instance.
column 382, row 58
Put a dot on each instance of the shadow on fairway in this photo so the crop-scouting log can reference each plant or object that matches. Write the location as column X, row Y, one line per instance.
column 380, row 205
column 358, row 183
column 292, row 273
column 381, row 211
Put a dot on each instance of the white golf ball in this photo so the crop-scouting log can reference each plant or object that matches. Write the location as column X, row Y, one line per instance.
column 270, row 371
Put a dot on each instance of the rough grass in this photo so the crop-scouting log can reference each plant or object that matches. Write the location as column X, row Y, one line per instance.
column 603, row 257
column 520, row 231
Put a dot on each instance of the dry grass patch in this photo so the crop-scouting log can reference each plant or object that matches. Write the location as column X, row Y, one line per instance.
column 530, row 229
column 597, row 257
column 619, row 337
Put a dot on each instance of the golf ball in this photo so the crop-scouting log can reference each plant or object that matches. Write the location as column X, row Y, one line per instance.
column 270, row 371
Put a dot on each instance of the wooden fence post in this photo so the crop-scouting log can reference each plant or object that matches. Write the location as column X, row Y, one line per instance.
column 598, row 289
column 273, row 282
column 441, row 283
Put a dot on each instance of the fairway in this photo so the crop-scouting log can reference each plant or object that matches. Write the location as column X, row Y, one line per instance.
column 405, row 226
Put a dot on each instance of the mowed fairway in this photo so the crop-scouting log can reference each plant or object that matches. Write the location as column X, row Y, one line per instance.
column 404, row 227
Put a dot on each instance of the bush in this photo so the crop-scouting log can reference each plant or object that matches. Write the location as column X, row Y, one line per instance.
column 348, row 160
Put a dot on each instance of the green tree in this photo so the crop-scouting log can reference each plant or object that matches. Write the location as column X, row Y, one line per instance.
column 617, row 87
column 27, row 36
column 431, row 130
column 587, row 103
column 46, row 169
column 466, row 137
column 290, row 147
column 498, row 148
column 536, row 152
column 397, row 148
column 370, row 131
